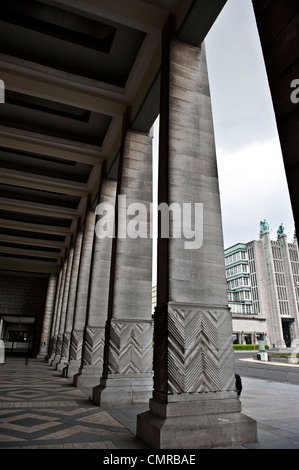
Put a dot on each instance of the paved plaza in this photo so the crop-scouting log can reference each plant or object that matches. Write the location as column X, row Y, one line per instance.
column 40, row 409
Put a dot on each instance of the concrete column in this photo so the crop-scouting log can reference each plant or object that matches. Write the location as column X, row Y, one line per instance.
column 127, row 376
column 56, row 352
column 56, row 317
column 194, row 402
column 274, row 317
column 66, row 340
column 91, row 368
column 64, row 303
column 81, row 295
column 48, row 316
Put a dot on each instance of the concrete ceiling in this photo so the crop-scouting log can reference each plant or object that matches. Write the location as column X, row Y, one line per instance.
column 19, row 320
column 72, row 70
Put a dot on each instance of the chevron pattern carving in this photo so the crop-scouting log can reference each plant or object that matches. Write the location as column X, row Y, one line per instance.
column 52, row 346
column 59, row 344
column 76, row 345
column 130, row 347
column 94, row 342
column 199, row 346
column 65, row 344
column 226, row 356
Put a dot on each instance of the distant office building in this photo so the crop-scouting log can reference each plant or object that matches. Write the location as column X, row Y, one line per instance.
column 154, row 299
column 263, row 285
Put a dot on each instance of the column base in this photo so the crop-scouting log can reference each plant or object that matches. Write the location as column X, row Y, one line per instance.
column 73, row 368
column 56, row 361
column 88, row 376
column 198, row 424
column 61, row 365
column 50, row 358
column 123, row 390
column 42, row 356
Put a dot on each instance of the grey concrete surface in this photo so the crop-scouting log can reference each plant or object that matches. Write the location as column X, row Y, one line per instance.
column 36, row 389
column 275, row 407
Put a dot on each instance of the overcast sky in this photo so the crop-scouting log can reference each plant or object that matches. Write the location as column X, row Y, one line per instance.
column 251, row 173
column 252, row 178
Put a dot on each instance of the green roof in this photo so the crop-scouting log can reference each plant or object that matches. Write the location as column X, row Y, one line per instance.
column 235, row 249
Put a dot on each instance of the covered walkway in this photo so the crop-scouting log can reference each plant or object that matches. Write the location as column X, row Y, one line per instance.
column 39, row 409
column 84, row 82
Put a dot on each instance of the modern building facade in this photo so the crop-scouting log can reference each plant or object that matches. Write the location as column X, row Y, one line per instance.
column 238, row 280
column 263, row 284
column 84, row 82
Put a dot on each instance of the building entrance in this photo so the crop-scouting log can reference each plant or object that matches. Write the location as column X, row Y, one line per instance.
column 17, row 333
column 286, row 327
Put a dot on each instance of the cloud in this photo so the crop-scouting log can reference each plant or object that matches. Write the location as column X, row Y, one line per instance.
column 241, row 99
column 252, row 179
column 253, row 187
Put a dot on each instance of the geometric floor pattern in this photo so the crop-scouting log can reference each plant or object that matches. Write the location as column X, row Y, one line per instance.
column 40, row 409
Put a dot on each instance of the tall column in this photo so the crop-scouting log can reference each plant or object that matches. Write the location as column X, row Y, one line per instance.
column 66, row 340
column 194, row 402
column 48, row 316
column 127, row 376
column 56, row 351
column 94, row 334
column 56, row 317
column 64, row 303
column 81, row 295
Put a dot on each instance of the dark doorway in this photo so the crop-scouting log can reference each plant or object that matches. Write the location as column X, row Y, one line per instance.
column 18, row 334
column 286, row 327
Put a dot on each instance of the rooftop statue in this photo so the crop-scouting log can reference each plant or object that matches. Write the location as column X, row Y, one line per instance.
column 264, row 227
column 280, row 231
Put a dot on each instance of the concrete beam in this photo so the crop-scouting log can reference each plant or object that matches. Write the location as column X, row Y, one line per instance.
column 29, row 266
column 14, row 205
column 46, row 89
column 201, row 17
column 18, row 178
column 39, row 146
column 133, row 13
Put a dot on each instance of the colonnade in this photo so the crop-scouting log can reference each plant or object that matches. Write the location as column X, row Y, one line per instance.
column 101, row 319
column 102, row 325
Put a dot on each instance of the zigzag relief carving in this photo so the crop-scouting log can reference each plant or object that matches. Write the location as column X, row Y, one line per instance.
column 226, row 358
column 65, row 344
column 130, row 348
column 59, row 344
column 52, row 345
column 94, row 346
column 196, row 356
column 76, row 345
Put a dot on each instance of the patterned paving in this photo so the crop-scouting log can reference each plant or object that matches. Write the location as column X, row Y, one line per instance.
column 39, row 409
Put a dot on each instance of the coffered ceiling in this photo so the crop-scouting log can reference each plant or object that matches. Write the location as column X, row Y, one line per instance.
column 72, row 70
